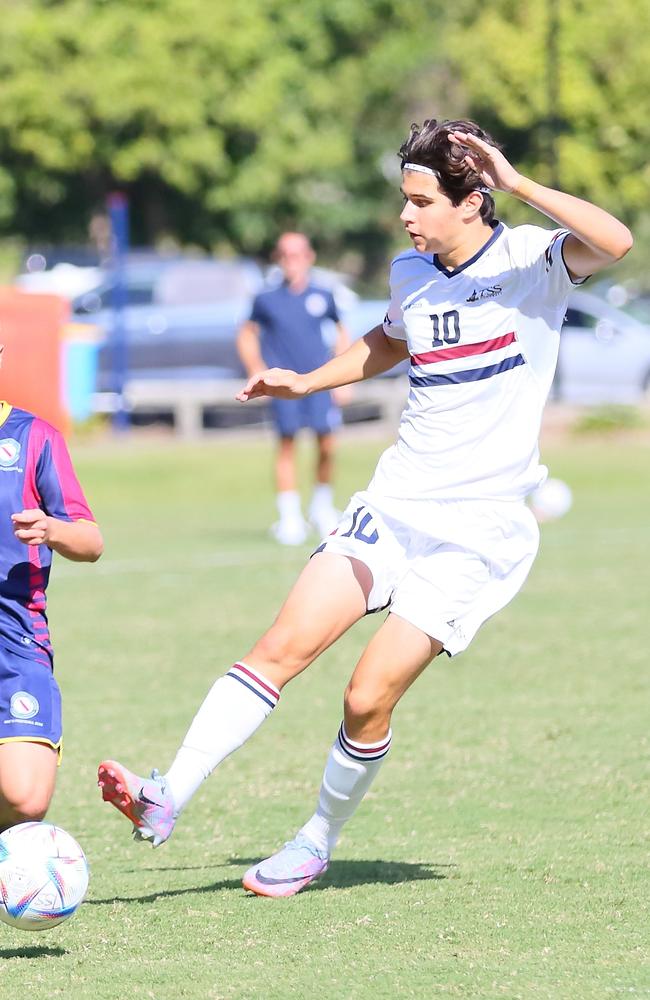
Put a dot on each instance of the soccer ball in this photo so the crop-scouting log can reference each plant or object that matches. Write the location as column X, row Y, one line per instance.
column 551, row 500
column 43, row 876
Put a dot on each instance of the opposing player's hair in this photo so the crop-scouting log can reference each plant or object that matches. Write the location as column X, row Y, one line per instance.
column 429, row 145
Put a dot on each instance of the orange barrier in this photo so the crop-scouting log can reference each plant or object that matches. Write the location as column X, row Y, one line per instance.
column 31, row 329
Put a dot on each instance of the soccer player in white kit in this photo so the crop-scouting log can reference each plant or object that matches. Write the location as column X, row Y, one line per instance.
column 441, row 537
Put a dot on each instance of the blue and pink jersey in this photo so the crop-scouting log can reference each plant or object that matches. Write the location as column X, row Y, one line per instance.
column 35, row 471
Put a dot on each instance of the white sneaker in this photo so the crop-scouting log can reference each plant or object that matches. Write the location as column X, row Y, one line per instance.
column 290, row 532
column 325, row 520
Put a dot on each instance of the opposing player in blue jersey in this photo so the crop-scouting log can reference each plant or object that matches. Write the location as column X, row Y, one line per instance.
column 286, row 329
column 441, row 537
column 42, row 509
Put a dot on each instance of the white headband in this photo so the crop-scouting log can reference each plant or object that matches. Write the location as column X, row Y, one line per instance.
column 421, row 169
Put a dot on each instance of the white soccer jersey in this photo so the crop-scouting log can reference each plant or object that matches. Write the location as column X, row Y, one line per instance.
column 483, row 341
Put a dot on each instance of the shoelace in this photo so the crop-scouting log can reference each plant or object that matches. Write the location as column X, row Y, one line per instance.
column 303, row 845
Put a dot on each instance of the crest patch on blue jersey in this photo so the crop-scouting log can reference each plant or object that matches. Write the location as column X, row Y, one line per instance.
column 316, row 304
column 9, row 452
column 23, row 705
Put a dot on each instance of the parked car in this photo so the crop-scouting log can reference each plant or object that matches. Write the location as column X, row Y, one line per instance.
column 180, row 317
column 604, row 354
column 629, row 295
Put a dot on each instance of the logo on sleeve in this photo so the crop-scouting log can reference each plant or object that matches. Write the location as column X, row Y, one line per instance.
column 550, row 251
column 9, row 452
column 23, row 705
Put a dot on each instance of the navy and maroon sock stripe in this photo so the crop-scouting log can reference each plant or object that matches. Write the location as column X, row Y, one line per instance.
column 256, row 683
column 363, row 751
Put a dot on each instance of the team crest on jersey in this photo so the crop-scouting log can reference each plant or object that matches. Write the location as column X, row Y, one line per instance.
column 491, row 292
column 316, row 304
column 9, row 452
column 23, row 705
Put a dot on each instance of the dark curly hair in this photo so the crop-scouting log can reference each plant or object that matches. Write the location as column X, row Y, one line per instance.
column 429, row 145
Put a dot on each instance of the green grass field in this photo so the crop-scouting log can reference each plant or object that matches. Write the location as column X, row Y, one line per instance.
column 505, row 848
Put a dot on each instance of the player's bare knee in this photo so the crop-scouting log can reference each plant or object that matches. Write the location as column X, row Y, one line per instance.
column 363, row 706
column 26, row 790
column 22, row 804
column 278, row 649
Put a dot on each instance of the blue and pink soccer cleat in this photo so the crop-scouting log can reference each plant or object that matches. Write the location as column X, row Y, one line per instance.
column 293, row 868
column 145, row 801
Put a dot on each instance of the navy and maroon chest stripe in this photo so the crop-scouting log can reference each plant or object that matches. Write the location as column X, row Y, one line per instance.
column 480, row 350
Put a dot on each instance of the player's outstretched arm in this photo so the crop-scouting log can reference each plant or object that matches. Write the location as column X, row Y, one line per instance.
column 371, row 355
column 80, row 541
column 597, row 238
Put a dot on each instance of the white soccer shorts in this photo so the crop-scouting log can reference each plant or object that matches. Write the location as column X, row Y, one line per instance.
column 465, row 560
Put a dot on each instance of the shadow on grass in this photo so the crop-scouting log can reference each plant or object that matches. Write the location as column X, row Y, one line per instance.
column 152, row 897
column 37, row 951
column 171, row 868
column 341, row 875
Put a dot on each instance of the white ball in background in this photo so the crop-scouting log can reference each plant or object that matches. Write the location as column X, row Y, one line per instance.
column 551, row 500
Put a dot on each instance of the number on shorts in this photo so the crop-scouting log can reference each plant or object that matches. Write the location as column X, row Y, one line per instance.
column 359, row 530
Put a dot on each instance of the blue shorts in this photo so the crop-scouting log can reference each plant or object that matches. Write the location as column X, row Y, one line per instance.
column 317, row 413
column 30, row 701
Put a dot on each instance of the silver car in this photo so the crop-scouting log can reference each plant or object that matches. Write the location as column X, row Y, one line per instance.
column 604, row 354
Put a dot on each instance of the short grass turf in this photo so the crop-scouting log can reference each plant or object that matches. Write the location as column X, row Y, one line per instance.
column 504, row 850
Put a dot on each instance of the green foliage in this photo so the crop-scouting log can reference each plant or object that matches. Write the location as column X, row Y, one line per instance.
column 573, row 105
column 224, row 121
column 610, row 418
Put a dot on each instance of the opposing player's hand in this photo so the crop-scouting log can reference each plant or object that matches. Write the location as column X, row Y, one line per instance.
column 31, row 527
column 279, row 382
column 487, row 161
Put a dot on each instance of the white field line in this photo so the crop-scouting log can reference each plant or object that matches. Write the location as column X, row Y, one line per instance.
column 125, row 567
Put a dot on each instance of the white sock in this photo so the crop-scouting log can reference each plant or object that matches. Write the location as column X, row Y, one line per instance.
column 234, row 707
column 350, row 770
column 321, row 499
column 288, row 503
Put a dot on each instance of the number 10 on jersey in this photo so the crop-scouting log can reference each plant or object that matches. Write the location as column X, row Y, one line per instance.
column 450, row 328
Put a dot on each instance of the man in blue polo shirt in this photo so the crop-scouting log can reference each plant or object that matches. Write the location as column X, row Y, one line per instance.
column 285, row 330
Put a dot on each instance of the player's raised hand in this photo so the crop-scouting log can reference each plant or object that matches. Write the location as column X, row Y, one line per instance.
column 31, row 526
column 280, row 382
column 487, row 161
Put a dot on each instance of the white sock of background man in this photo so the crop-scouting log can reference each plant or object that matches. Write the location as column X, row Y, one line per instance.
column 235, row 706
column 322, row 499
column 350, row 770
column 322, row 513
column 288, row 502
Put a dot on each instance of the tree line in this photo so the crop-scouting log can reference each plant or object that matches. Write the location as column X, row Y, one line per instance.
column 226, row 123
